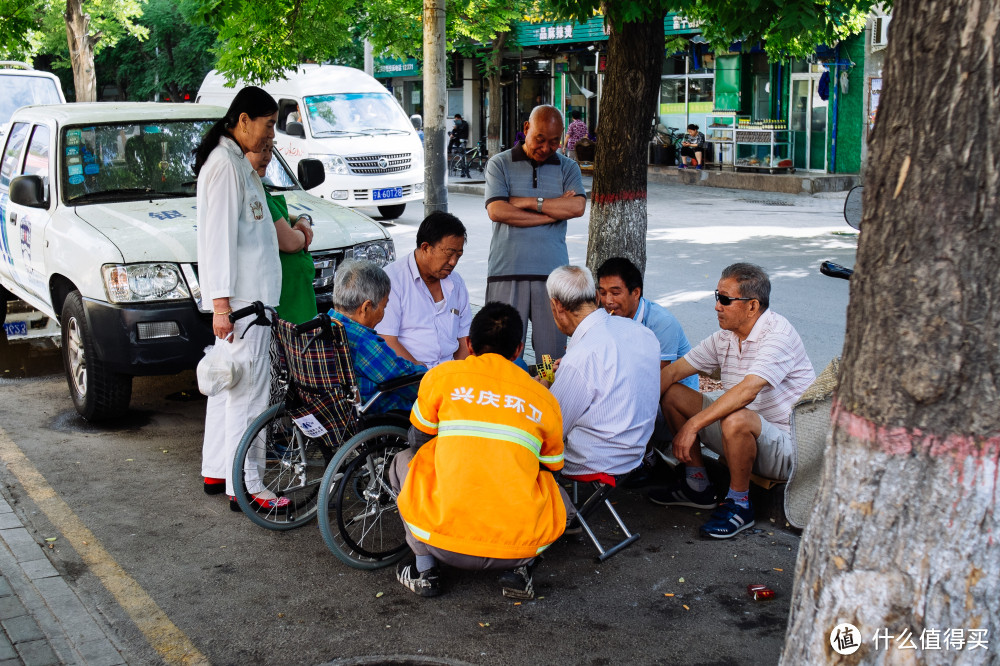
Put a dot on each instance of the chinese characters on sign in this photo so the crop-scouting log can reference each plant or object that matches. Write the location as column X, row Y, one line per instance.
column 491, row 399
column 546, row 33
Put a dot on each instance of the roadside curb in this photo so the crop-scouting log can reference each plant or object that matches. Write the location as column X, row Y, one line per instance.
column 43, row 620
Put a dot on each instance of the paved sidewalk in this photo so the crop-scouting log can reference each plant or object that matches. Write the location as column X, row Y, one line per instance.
column 43, row 621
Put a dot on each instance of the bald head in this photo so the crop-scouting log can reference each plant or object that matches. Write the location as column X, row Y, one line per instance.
column 543, row 132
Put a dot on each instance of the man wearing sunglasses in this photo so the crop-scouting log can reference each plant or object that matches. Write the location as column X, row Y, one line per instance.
column 765, row 370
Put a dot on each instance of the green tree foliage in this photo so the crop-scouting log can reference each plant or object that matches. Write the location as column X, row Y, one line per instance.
column 19, row 21
column 173, row 59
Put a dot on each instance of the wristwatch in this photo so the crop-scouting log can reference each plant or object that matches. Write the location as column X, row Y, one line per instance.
column 306, row 217
column 540, row 202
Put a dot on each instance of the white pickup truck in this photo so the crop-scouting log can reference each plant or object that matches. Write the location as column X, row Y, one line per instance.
column 97, row 230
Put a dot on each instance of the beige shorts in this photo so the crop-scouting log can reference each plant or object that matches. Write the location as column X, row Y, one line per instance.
column 775, row 448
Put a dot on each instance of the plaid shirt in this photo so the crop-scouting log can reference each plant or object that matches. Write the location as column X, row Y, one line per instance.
column 375, row 362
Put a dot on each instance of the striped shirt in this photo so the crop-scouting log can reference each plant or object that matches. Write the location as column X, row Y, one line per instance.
column 608, row 387
column 773, row 351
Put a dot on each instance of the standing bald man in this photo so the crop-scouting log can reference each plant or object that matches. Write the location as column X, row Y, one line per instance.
column 531, row 190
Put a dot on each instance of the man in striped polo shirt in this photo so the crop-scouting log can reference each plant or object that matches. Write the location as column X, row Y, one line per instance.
column 765, row 370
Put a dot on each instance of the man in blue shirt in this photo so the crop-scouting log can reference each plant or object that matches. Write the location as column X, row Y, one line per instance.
column 619, row 285
column 360, row 294
column 620, row 291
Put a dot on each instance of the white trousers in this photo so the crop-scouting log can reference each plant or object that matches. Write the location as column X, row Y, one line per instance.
column 228, row 413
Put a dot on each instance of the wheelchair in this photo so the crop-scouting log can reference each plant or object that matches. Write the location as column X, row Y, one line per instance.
column 316, row 408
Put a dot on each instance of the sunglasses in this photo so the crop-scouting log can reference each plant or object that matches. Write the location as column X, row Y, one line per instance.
column 728, row 300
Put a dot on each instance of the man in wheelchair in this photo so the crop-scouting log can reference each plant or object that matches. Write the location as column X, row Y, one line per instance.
column 360, row 294
column 475, row 488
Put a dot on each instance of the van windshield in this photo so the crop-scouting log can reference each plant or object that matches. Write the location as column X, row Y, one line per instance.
column 17, row 90
column 356, row 113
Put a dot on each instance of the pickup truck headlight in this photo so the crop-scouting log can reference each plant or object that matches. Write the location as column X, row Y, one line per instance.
column 381, row 252
column 140, row 283
column 334, row 164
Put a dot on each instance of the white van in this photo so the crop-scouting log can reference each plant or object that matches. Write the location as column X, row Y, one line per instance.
column 22, row 85
column 349, row 121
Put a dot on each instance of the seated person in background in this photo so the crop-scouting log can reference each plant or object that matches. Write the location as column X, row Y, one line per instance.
column 606, row 384
column 360, row 292
column 693, row 145
column 764, row 372
column 297, row 303
column 427, row 318
column 619, row 285
column 478, row 493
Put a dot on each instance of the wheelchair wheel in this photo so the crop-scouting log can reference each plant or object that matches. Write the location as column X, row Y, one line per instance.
column 358, row 516
column 274, row 455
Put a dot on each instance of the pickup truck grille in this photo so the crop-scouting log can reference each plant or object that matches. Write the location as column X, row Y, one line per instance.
column 326, row 265
column 374, row 165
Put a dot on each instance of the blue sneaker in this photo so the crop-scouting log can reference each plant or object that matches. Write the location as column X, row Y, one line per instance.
column 679, row 493
column 728, row 520
column 680, row 166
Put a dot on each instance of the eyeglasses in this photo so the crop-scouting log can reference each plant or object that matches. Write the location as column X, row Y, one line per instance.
column 728, row 300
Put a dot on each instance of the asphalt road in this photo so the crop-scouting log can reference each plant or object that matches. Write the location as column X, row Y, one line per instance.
column 243, row 595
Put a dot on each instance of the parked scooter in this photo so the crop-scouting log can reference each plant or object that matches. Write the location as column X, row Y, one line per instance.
column 852, row 214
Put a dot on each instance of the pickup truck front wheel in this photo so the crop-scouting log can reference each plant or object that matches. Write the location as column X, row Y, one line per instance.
column 98, row 394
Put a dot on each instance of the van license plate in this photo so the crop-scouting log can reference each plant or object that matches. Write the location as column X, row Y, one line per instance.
column 16, row 329
column 387, row 193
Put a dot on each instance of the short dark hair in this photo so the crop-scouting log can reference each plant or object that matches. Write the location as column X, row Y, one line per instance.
column 576, row 115
column 458, row 115
column 496, row 329
column 437, row 225
column 621, row 267
column 753, row 282
column 693, row 126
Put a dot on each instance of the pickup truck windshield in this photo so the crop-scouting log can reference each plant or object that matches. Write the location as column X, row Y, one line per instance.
column 356, row 113
column 23, row 90
column 129, row 161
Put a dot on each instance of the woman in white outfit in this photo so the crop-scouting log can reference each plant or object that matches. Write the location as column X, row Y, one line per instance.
column 237, row 264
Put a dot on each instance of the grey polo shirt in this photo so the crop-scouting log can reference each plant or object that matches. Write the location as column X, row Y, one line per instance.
column 528, row 253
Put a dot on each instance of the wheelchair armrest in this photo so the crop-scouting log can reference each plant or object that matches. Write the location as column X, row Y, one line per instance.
column 399, row 382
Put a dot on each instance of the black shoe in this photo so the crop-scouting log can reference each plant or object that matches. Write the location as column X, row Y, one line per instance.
column 574, row 527
column 517, row 583
column 423, row 583
column 214, row 486
column 679, row 493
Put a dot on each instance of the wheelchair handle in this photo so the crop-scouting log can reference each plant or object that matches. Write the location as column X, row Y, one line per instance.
column 319, row 321
column 256, row 308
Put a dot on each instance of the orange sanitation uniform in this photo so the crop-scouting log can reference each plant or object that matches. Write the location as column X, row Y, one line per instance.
column 477, row 487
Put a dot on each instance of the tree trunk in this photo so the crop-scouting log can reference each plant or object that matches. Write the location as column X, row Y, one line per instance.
column 81, row 51
column 904, row 536
column 631, row 89
column 494, row 70
column 435, row 101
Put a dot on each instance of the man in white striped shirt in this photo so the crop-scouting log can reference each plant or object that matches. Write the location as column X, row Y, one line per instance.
column 606, row 384
column 765, row 370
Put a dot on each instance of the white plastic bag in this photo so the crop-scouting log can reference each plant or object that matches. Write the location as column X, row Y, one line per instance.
column 218, row 371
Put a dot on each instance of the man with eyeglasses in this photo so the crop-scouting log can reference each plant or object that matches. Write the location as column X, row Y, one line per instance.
column 427, row 317
column 765, row 370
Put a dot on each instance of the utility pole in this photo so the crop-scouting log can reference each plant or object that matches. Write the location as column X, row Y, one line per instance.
column 369, row 59
column 435, row 100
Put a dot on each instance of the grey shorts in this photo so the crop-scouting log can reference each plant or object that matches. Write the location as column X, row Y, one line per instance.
column 775, row 448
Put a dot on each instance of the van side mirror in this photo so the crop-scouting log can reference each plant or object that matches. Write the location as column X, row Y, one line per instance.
column 29, row 191
column 311, row 173
column 293, row 128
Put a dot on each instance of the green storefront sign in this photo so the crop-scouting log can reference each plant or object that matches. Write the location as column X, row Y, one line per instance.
column 389, row 67
column 568, row 32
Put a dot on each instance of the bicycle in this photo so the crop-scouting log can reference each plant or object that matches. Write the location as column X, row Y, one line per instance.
column 466, row 159
column 316, row 408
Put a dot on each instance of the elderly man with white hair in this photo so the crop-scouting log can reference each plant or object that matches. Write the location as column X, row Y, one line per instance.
column 607, row 383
